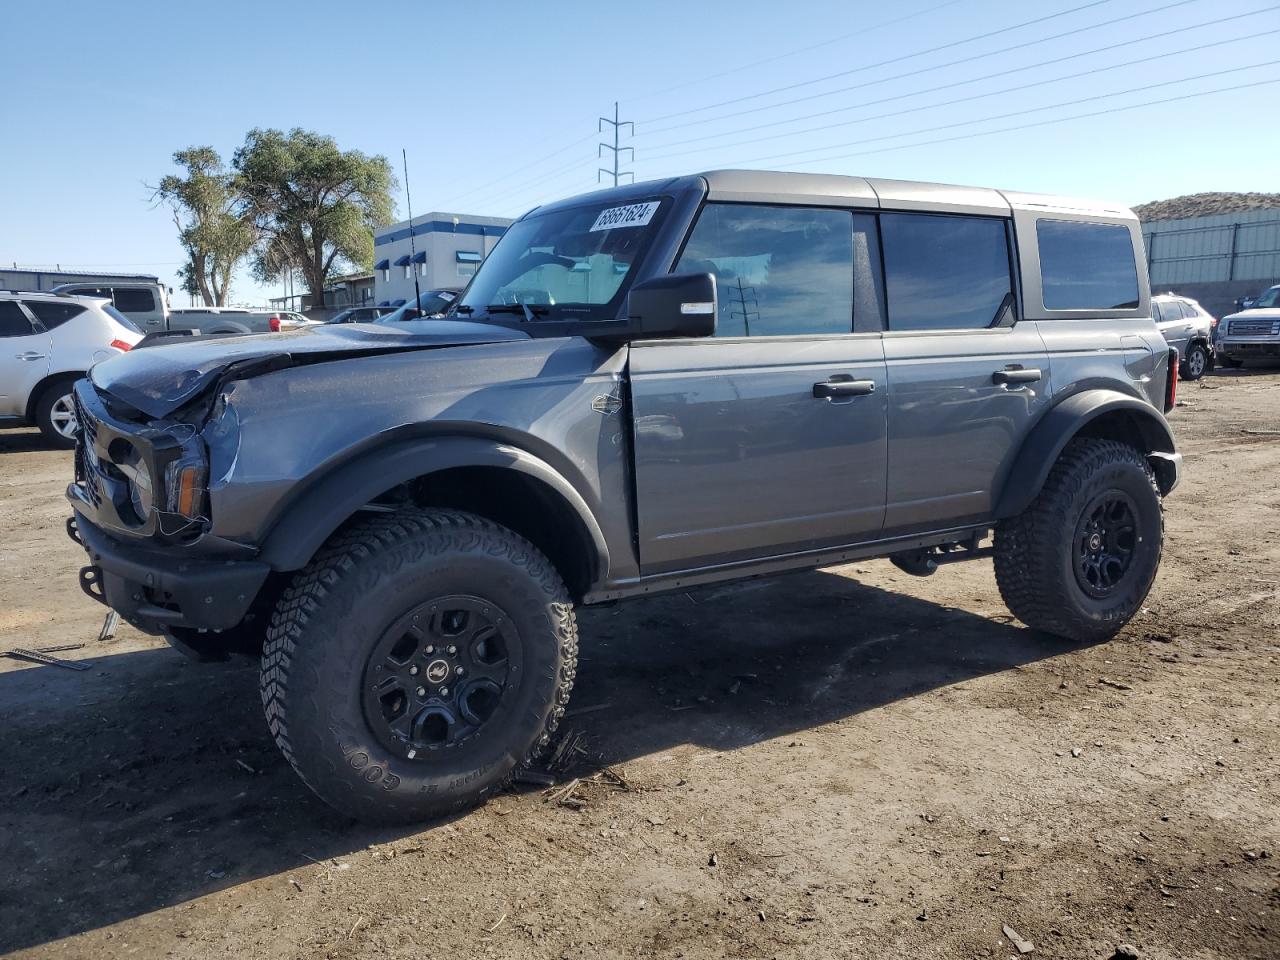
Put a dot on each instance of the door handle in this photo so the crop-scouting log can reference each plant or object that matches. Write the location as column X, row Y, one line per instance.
column 1016, row 376
column 29, row 355
column 835, row 388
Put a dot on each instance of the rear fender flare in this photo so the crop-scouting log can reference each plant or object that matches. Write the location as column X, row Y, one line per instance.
column 315, row 511
column 1144, row 427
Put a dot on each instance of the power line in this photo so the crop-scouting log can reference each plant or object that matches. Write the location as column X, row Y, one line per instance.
column 617, row 128
column 1045, row 123
column 1001, row 73
column 899, row 76
column 791, row 53
column 1017, row 127
column 957, row 100
column 882, row 63
column 522, row 169
column 557, row 174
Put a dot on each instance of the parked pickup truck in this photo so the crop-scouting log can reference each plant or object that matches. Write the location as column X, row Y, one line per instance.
column 1253, row 333
column 648, row 388
column 147, row 306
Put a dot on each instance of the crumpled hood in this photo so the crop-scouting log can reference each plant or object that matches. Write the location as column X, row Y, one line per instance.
column 159, row 379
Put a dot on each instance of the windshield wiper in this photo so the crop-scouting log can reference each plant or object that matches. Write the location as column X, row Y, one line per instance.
column 529, row 310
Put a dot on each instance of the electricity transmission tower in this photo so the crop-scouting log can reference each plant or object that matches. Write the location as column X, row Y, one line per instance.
column 743, row 296
column 614, row 147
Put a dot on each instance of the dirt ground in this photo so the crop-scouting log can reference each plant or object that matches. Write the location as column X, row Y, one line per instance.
column 844, row 763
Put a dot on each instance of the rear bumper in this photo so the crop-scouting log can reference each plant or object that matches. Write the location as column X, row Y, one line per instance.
column 157, row 589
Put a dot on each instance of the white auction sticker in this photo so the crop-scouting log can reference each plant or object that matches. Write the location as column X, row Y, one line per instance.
column 632, row 215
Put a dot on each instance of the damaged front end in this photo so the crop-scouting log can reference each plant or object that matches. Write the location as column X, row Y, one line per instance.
column 158, row 439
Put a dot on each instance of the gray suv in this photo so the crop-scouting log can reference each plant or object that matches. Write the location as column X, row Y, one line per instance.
column 674, row 383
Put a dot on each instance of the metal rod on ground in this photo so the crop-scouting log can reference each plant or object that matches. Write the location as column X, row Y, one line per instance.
column 109, row 624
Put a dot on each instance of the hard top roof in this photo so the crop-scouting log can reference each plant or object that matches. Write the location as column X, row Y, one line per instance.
column 773, row 186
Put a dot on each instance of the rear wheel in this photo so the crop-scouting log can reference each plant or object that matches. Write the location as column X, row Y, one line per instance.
column 418, row 663
column 1196, row 363
column 56, row 413
column 1080, row 560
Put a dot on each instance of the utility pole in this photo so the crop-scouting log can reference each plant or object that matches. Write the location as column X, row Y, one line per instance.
column 614, row 147
column 745, row 295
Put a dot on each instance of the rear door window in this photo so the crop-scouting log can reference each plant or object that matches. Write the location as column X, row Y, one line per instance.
column 13, row 322
column 945, row 272
column 134, row 300
column 1086, row 266
column 53, row 314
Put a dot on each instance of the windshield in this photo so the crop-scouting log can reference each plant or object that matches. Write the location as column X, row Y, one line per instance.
column 573, row 263
column 1269, row 299
column 120, row 318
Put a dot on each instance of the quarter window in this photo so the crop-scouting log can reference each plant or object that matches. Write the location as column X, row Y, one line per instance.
column 782, row 270
column 13, row 322
column 945, row 272
column 1086, row 266
column 52, row 314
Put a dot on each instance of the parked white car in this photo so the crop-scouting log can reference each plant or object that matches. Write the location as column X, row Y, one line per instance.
column 1189, row 328
column 48, row 341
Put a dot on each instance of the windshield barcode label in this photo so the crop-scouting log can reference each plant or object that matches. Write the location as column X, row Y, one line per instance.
column 632, row 215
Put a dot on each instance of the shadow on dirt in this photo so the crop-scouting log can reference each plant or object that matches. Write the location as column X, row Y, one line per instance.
column 148, row 780
column 25, row 440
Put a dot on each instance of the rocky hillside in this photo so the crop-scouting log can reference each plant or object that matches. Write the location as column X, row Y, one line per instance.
column 1204, row 205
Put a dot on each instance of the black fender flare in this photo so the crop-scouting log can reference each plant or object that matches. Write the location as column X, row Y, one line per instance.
column 1066, row 419
column 318, row 508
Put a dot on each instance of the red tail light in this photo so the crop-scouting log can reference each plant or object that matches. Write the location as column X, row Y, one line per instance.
column 1171, row 387
column 274, row 324
column 122, row 345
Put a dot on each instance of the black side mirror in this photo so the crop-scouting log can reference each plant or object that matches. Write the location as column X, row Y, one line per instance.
column 676, row 305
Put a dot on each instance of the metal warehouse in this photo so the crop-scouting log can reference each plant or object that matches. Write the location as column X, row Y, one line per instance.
column 446, row 248
column 1215, row 259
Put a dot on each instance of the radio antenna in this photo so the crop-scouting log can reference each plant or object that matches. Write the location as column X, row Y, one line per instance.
column 413, row 252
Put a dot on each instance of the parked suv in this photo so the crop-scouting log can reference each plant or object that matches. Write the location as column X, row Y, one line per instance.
column 1253, row 333
column 647, row 388
column 145, row 304
column 47, row 342
column 1188, row 328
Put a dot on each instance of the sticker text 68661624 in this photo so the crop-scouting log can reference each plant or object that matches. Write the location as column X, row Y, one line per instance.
column 632, row 215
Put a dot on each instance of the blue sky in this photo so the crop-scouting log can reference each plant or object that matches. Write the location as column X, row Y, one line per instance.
column 497, row 102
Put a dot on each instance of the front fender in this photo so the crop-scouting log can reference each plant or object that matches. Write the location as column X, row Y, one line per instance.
column 315, row 511
column 1127, row 418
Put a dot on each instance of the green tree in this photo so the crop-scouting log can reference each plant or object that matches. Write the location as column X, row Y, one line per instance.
column 315, row 206
column 212, row 223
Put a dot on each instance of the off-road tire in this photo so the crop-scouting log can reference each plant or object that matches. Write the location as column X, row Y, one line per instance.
column 49, row 396
column 328, row 621
column 1036, row 551
column 1187, row 369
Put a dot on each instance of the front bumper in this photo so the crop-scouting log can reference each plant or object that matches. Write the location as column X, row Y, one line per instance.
column 157, row 590
column 1168, row 470
column 1247, row 349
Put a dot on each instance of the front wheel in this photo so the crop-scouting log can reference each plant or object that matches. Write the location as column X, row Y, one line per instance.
column 418, row 662
column 55, row 413
column 1196, row 364
column 1080, row 560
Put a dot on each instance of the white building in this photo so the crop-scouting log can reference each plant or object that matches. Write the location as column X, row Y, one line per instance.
column 446, row 249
